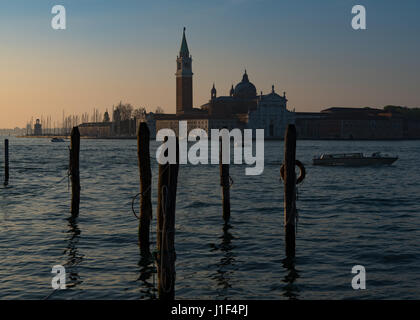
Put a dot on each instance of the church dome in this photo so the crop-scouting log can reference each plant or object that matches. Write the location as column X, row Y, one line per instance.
column 245, row 89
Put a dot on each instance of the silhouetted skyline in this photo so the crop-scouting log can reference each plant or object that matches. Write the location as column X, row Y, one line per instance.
column 114, row 51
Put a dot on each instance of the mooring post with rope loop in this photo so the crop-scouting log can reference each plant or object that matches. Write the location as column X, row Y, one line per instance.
column 6, row 162
column 145, row 171
column 74, row 170
column 224, row 181
column 287, row 172
column 165, row 225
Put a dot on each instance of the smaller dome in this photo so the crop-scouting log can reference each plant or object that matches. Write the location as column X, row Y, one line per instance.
column 245, row 89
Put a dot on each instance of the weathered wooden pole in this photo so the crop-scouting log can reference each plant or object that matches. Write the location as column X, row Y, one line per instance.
column 143, row 154
column 167, row 185
column 162, row 184
column 224, row 182
column 74, row 170
column 289, row 189
column 6, row 162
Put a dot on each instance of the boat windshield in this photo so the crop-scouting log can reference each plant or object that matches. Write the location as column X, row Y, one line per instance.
column 342, row 155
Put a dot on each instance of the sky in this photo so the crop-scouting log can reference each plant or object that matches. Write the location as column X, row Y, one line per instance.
column 126, row 51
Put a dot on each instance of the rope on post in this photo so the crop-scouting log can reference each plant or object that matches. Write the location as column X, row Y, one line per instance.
column 302, row 174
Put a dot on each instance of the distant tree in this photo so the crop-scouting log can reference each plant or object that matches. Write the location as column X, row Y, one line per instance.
column 106, row 116
column 404, row 111
column 159, row 110
column 115, row 115
column 124, row 110
column 395, row 109
column 139, row 113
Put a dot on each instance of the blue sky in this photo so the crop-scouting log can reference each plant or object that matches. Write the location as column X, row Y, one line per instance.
column 126, row 50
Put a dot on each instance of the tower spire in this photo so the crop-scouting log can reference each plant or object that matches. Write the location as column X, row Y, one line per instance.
column 184, row 52
column 184, row 85
column 213, row 91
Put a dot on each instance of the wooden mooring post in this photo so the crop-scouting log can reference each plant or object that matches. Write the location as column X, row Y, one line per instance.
column 6, row 162
column 165, row 225
column 224, row 183
column 143, row 154
column 289, row 190
column 74, row 170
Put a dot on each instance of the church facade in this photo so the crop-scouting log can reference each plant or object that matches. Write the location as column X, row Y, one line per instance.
column 242, row 108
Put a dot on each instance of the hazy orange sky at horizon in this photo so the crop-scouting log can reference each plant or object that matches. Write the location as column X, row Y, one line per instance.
column 127, row 52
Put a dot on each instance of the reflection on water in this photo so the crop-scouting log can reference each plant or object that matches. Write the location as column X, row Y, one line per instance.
column 290, row 289
column 348, row 216
column 72, row 252
column 147, row 278
column 224, row 267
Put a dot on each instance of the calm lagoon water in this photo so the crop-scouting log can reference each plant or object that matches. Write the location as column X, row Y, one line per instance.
column 348, row 216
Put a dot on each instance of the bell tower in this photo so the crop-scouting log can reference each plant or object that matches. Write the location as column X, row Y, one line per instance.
column 184, row 87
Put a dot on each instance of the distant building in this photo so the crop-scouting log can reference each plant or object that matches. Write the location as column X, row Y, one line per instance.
column 124, row 128
column 242, row 108
column 118, row 128
column 38, row 128
column 205, row 122
column 96, row 129
column 356, row 123
column 271, row 115
column 28, row 129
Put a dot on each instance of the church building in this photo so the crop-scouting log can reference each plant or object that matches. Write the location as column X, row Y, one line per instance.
column 243, row 108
